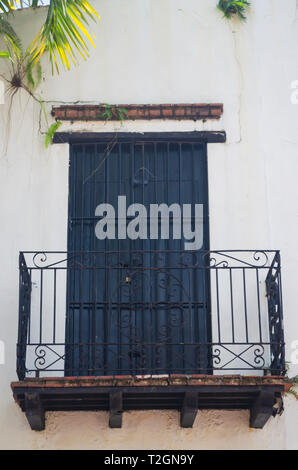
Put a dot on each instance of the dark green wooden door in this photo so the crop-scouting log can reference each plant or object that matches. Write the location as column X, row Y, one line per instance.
column 136, row 306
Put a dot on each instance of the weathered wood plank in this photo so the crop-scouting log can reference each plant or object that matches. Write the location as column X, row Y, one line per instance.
column 189, row 409
column 262, row 409
column 34, row 411
column 116, row 409
column 80, row 137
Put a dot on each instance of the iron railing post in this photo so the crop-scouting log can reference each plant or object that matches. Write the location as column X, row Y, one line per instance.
column 24, row 314
column 275, row 312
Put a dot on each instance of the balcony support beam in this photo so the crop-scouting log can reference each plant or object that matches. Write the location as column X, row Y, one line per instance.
column 116, row 395
column 116, row 409
column 34, row 411
column 189, row 409
column 262, row 409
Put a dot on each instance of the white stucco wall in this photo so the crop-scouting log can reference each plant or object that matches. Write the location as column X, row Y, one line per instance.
column 168, row 51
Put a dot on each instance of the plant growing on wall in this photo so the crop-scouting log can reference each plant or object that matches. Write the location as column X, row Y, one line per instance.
column 294, row 381
column 63, row 36
column 232, row 7
column 116, row 112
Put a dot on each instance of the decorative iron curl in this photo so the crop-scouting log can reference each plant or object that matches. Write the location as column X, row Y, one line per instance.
column 262, row 257
column 259, row 353
column 163, row 334
column 215, row 259
column 214, row 264
column 40, row 359
column 177, row 283
column 164, row 283
column 123, row 322
column 175, row 319
column 39, row 258
column 216, row 356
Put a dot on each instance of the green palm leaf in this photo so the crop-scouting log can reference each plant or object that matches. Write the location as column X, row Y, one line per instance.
column 11, row 38
column 64, row 33
column 6, row 6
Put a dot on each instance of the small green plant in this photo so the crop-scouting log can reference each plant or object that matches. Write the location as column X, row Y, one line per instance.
column 114, row 112
column 51, row 132
column 232, row 7
column 294, row 381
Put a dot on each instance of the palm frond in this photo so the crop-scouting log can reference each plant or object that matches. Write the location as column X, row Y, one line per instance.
column 13, row 42
column 7, row 6
column 64, row 33
column 33, row 74
column 5, row 55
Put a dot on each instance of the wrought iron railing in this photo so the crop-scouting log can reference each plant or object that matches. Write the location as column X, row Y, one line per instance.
column 149, row 312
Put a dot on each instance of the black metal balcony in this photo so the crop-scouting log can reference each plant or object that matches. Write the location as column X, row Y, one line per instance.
column 136, row 313
column 150, row 330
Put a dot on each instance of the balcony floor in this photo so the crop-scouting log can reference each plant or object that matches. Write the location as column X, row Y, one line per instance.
column 261, row 395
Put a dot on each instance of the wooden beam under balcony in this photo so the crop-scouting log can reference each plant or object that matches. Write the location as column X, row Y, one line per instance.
column 262, row 409
column 117, row 394
column 34, row 410
column 189, row 409
column 116, row 409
